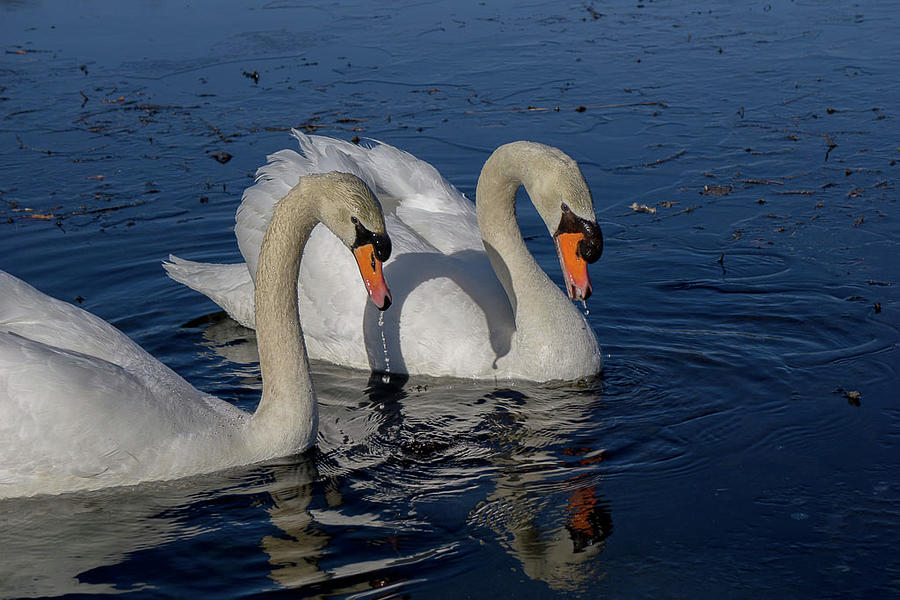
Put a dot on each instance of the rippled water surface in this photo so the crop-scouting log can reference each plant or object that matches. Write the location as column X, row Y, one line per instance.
column 742, row 158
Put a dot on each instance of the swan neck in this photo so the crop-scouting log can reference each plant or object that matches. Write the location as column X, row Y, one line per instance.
column 287, row 415
column 526, row 284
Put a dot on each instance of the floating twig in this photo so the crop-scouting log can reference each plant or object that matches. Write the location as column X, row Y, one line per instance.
column 581, row 108
column 30, row 213
column 94, row 211
column 215, row 129
column 653, row 163
column 831, row 146
column 761, row 181
column 25, row 146
column 666, row 159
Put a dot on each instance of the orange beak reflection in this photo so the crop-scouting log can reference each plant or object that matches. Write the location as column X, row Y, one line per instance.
column 370, row 269
column 574, row 268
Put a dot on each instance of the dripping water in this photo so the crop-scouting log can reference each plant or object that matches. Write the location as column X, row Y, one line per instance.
column 386, row 378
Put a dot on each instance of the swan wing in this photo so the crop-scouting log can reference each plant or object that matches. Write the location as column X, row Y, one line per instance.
column 36, row 316
column 83, row 406
column 409, row 189
column 69, row 420
column 59, row 412
column 31, row 315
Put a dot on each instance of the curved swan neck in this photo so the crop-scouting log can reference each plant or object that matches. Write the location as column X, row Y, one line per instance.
column 287, row 415
column 526, row 284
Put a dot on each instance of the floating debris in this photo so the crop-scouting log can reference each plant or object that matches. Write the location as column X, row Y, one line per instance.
column 831, row 146
column 761, row 181
column 25, row 146
column 659, row 161
column 716, row 190
column 853, row 397
column 687, row 210
column 221, row 157
column 30, row 213
column 642, row 208
column 581, row 108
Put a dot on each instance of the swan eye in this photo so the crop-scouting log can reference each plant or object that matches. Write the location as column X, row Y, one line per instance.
column 564, row 207
column 354, row 220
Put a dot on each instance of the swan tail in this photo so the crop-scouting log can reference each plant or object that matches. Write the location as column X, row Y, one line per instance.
column 229, row 286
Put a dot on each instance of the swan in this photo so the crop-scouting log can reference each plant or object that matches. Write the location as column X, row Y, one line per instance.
column 82, row 406
column 470, row 300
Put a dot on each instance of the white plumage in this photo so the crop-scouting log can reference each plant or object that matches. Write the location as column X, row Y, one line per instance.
column 83, row 406
column 451, row 315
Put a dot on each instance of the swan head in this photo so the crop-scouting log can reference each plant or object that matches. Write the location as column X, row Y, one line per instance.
column 354, row 215
column 563, row 199
column 579, row 242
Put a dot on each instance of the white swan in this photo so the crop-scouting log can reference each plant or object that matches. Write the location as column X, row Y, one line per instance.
column 460, row 310
column 83, row 407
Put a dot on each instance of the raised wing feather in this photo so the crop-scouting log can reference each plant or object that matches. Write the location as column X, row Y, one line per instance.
column 411, row 190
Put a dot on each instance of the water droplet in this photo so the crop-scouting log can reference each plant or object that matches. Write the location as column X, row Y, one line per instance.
column 387, row 358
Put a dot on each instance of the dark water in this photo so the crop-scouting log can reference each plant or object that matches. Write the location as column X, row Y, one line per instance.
column 721, row 453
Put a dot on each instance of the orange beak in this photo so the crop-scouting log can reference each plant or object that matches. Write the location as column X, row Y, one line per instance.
column 370, row 269
column 574, row 267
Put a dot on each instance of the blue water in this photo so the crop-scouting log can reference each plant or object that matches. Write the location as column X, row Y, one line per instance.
column 720, row 454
